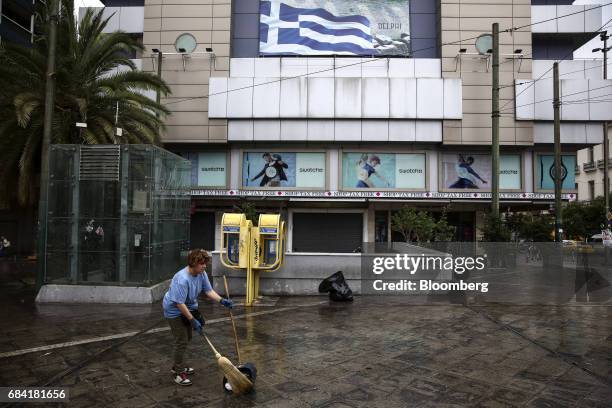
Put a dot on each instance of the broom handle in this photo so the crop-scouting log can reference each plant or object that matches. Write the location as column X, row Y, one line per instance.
column 217, row 355
column 232, row 319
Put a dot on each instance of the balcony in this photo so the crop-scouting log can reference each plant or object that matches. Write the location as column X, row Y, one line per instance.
column 600, row 163
column 588, row 167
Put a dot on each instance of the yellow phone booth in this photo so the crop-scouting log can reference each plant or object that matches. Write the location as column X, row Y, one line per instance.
column 235, row 229
column 255, row 249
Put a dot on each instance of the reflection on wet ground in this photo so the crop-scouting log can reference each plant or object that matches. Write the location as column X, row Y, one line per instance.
column 374, row 352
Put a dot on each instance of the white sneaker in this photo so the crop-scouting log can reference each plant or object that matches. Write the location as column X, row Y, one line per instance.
column 186, row 370
column 181, row 379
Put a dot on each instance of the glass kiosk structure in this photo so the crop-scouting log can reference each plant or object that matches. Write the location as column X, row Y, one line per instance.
column 117, row 215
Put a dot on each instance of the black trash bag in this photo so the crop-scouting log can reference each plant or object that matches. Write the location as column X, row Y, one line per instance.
column 337, row 287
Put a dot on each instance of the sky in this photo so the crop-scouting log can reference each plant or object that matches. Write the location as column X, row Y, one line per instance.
column 87, row 3
column 606, row 14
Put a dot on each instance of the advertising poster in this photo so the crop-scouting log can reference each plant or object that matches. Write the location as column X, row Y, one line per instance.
column 336, row 27
column 310, row 170
column 510, row 172
column 212, row 170
column 410, row 171
column 383, row 170
column 463, row 171
column 283, row 169
column 545, row 172
column 466, row 171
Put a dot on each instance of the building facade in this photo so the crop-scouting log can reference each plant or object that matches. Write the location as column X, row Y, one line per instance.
column 17, row 21
column 590, row 172
column 337, row 113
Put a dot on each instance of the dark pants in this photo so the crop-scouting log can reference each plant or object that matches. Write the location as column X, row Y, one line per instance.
column 182, row 335
column 183, row 332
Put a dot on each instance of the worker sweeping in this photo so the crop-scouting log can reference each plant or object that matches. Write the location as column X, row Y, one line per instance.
column 181, row 308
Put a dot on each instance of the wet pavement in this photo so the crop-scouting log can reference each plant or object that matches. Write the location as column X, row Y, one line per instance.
column 374, row 352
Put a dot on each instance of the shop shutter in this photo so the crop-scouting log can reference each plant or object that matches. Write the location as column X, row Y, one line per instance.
column 203, row 231
column 327, row 232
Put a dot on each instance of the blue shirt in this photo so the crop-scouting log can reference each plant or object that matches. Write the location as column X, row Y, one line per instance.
column 184, row 288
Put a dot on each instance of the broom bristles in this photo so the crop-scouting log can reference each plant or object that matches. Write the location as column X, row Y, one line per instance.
column 240, row 383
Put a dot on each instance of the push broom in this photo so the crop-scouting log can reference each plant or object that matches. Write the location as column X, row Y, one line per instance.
column 232, row 319
column 239, row 382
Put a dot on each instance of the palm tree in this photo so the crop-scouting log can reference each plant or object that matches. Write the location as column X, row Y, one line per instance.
column 95, row 79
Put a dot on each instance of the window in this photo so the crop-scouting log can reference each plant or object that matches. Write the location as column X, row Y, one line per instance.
column 187, row 42
column 591, row 155
column 591, row 190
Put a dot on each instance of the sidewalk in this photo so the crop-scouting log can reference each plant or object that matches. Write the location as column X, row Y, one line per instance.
column 374, row 352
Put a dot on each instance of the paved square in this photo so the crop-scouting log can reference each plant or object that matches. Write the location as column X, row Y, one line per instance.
column 309, row 352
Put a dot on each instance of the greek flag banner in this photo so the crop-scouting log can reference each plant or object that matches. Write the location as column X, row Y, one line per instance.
column 287, row 30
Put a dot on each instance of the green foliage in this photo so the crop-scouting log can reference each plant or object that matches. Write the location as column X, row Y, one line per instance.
column 94, row 75
column 581, row 220
column 495, row 229
column 532, row 227
column 420, row 226
column 249, row 210
column 443, row 231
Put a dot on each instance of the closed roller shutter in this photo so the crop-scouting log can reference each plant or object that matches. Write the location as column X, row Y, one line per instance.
column 327, row 232
column 203, row 231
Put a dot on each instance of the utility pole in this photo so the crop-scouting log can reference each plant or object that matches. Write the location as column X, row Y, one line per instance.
column 606, row 143
column 495, row 125
column 160, row 56
column 557, row 135
column 54, row 7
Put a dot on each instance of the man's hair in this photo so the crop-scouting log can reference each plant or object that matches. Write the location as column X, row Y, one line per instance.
column 198, row 256
column 470, row 159
column 266, row 155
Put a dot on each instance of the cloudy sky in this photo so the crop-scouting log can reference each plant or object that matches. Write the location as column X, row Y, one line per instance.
column 87, row 3
column 606, row 16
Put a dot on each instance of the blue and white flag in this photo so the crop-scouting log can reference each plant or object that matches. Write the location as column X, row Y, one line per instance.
column 289, row 30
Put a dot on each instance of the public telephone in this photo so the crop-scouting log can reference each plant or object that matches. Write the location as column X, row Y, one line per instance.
column 270, row 254
column 254, row 249
column 234, row 231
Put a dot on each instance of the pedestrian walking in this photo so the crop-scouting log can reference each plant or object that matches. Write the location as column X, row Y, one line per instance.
column 4, row 243
column 181, row 308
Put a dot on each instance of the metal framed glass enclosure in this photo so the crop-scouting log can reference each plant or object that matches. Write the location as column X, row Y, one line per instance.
column 117, row 215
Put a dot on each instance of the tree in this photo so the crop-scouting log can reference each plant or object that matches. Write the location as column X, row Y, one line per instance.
column 581, row 220
column 444, row 232
column 420, row 226
column 536, row 228
column 249, row 210
column 94, row 77
column 495, row 229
